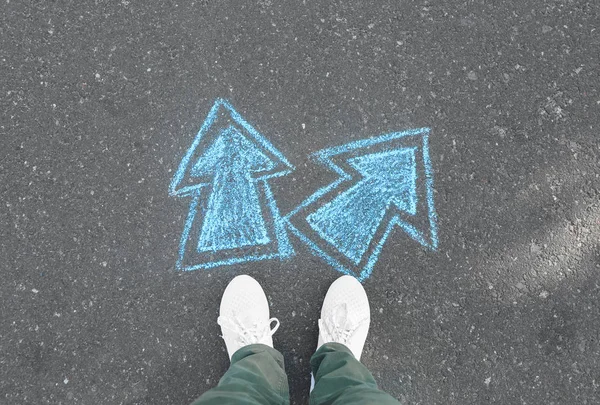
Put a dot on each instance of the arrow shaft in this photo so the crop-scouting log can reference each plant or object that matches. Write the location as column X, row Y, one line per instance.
column 233, row 216
column 350, row 220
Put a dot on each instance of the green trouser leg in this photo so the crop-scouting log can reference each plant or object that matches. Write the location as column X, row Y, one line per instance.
column 256, row 377
column 340, row 379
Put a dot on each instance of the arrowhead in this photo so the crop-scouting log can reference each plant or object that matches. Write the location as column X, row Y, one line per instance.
column 392, row 175
column 232, row 152
column 226, row 140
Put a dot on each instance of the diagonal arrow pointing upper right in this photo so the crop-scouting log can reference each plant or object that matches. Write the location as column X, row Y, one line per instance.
column 384, row 181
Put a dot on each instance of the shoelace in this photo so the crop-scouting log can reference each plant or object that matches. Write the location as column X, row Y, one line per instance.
column 338, row 327
column 249, row 335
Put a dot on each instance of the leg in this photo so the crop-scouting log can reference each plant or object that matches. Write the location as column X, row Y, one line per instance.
column 341, row 379
column 256, row 377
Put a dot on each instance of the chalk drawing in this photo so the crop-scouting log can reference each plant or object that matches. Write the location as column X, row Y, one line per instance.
column 232, row 212
column 383, row 182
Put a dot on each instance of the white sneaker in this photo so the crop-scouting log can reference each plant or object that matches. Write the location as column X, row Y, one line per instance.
column 345, row 316
column 244, row 315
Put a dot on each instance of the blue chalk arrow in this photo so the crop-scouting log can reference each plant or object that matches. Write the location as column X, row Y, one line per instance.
column 350, row 220
column 384, row 182
column 233, row 214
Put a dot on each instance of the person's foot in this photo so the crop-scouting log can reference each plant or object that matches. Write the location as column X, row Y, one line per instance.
column 345, row 315
column 244, row 315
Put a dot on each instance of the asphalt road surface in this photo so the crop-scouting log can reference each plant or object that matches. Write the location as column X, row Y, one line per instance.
column 100, row 100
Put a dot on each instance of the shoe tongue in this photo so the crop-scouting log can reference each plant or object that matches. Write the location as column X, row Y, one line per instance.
column 252, row 325
column 340, row 318
column 341, row 311
column 245, row 318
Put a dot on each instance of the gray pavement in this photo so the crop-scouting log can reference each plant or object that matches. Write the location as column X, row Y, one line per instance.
column 100, row 101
